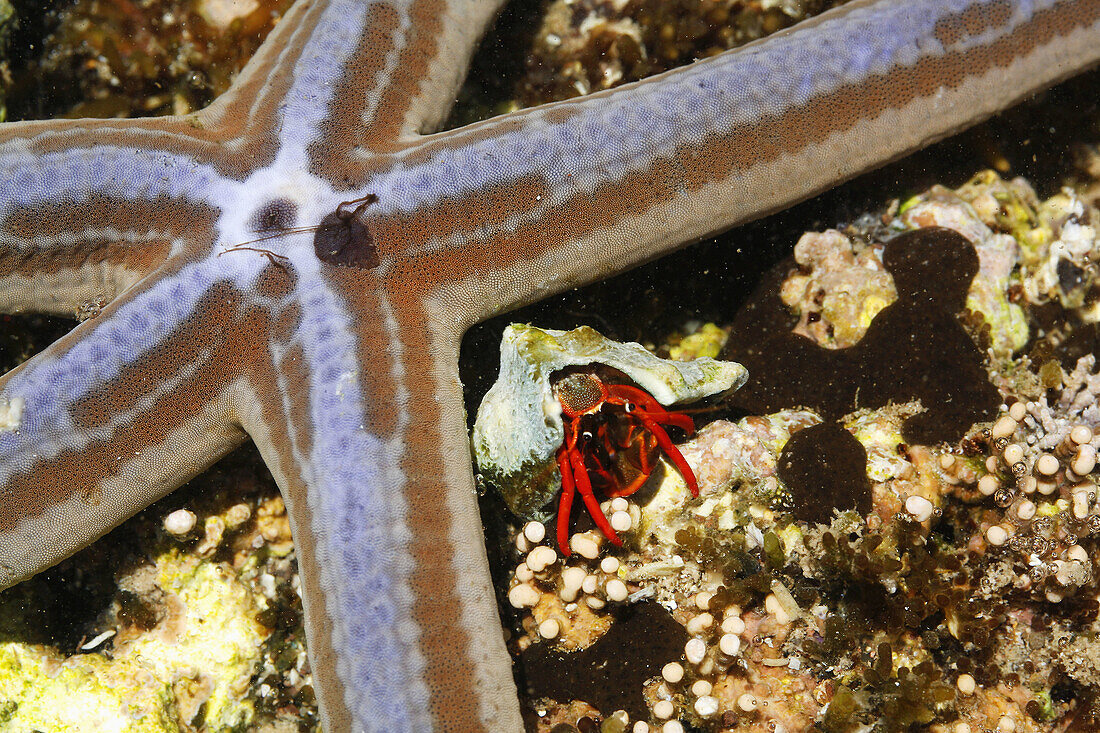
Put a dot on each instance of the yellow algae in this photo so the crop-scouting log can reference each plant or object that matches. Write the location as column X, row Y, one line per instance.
column 207, row 653
column 42, row 691
column 707, row 341
column 192, row 670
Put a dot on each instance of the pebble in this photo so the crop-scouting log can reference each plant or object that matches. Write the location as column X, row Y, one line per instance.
column 572, row 577
column 702, row 599
column 748, row 702
column 701, row 688
column 698, row 624
column 733, row 623
column 523, row 596
column 180, row 522
column 1047, row 464
column 663, row 709
column 523, row 573
column 1014, row 453
column 988, row 485
column 1004, row 427
column 695, row 651
column 672, row 672
column 610, row 565
column 585, row 546
column 966, row 684
column 590, row 584
column 541, row 558
column 996, row 535
column 1085, row 460
column 1080, row 504
column 1081, row 434
column 571, row 580
column 919, row 508
column 729, row 644
column 535, row 532
column 549, row 629
column 237, row 515
column 706, row 706
column 616, row 590
column 774, row 607
column 621, row 521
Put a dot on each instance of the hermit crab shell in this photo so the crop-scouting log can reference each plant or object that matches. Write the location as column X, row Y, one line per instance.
column 519, row 426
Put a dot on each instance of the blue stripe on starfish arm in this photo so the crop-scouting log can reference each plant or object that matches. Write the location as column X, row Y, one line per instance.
column 336, row 352
column 604, row 179
column 76, row 226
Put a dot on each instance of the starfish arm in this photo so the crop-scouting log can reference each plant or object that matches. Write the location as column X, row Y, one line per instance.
column 83, row 225
column 358, row 78
column 119, row 412
column 566, row 193
column 362, row 426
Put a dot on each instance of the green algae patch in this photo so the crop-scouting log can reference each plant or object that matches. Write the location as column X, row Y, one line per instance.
column 41, row 691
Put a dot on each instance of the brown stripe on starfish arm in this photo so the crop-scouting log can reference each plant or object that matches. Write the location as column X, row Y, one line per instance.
column 412, row 407
column 125, row 443
column 270, row 423
column 402, row 80
column 762, row 164
column 245, row 119
column 466, row 665
column 59, row 257
column 185, row 136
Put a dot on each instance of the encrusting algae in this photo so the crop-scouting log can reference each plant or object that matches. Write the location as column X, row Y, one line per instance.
column 194, row 625
column 839, row 570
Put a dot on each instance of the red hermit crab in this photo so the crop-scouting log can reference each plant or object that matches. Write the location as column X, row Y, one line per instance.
column 612, row 433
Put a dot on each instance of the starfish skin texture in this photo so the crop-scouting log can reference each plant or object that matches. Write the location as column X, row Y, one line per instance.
column 336, row 352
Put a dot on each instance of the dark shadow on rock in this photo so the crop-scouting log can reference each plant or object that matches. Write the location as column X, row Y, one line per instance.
column 915, row 348
column 825, row 468
column 609, row 674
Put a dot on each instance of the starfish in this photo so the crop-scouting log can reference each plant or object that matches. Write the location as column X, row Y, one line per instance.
column 334, row 344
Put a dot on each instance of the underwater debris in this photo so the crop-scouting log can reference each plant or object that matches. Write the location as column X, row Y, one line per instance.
column 157, row 57
column 519, row 425
column 584, row 46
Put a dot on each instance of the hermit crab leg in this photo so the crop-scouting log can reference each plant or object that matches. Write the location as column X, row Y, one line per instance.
column 654, row 410
column 672, row 452
column 585, row 488
column 565, row 503
column 645, row 465
column 678, row 419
